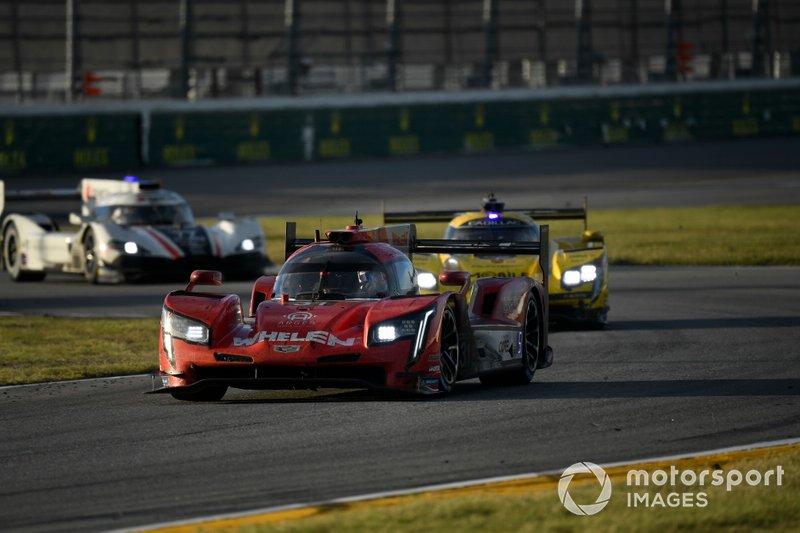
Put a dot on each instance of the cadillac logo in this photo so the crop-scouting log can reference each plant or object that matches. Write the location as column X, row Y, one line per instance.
column 287, row 348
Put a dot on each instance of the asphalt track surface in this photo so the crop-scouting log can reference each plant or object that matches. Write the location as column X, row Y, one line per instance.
column 693, row 359
column 761, row 171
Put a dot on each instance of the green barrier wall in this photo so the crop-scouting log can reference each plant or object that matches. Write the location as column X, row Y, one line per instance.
column 217, row 132
column 88, row 142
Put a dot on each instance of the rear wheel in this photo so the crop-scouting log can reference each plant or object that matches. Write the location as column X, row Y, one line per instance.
column 533, row 340
column 449, row 356
column 211, row 393
column 12, row 258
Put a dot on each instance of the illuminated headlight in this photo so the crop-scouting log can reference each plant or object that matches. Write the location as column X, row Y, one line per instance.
column 184, row 328
column 588, row 273
column 248, row 245
column 387, row 333
column 426, row 280
column 413, row 326
column 451, row 263
column 585, row 274
column 131, row 248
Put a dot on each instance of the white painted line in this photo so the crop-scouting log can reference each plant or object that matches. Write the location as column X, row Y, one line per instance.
column 454, row 485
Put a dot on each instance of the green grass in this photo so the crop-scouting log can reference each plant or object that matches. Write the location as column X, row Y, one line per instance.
column 535, row 506
column 719, row 235
column 35, row 349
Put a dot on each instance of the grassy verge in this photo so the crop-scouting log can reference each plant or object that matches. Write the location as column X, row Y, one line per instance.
column 35, row 349
column 533, row 505
column 735, row 235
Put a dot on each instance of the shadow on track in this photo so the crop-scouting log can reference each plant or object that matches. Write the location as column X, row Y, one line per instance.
column 472, row 391
column 705, row 323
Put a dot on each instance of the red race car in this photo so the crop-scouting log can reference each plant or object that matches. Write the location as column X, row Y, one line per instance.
column 346, row 312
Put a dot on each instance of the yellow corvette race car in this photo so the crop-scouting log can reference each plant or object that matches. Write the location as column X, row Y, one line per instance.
column 578, row 279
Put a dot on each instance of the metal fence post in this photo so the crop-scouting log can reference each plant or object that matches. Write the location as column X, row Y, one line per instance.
column 584, row 61
column 73, row 49
column 187, row 38
column 393, row 15
column 762, row 39
column 292, row 26
column 491, row 40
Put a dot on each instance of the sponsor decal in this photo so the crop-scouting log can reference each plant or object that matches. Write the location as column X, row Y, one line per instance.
column 321, row 337
column 297, row 319
column 435, row 368
column 497, row 274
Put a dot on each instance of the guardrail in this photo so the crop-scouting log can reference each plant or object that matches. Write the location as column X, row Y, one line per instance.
column 129, row 136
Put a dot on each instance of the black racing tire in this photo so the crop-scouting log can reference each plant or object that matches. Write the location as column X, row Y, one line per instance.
column 11, row 258
column 91, row 262
column 210, row 393
column 449, row 357
column 533, row 338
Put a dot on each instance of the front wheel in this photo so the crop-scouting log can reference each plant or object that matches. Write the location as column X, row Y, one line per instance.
column 90, row 259
column 449, row 356
column 12, row 258
column 211, row 393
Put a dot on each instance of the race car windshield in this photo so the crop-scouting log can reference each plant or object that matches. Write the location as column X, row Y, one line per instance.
column 493, row 233
column 146, row 215
column 334, row 276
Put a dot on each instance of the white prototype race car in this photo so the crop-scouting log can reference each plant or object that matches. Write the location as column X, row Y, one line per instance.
column 129, row 230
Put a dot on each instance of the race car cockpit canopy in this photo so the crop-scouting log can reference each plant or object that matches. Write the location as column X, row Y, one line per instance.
column 334, row 272
column 150, row 208
column 493, row 226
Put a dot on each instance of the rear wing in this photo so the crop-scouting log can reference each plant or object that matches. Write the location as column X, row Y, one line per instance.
column 537, row 213
column 34, row 195
column 404, row 237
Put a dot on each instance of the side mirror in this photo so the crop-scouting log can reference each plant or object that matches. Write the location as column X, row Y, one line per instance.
column 204, row 277
column 454, row 277
column 262, row 290
column 593, row 236
column 76, row 220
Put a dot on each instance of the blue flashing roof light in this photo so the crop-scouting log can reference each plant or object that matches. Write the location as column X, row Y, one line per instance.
column 131, row 179
column 491, row 215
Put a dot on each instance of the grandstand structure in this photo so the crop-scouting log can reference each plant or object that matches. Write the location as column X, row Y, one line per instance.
column 79, row 50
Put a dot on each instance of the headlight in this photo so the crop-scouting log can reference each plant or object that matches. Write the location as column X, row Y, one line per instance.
column 129, row 247
column 451, row 263
column 410, row 326
column 184, row 328
column 585, row 274
column 249, row 244
column 426, row 280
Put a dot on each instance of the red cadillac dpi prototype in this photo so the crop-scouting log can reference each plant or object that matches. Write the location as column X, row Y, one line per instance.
column 346, row 312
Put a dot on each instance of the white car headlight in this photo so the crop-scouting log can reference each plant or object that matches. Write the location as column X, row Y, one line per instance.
column 410, row 326
column 585, row 274
column 248, row 245
column 451, row 263
column 570, row 278
column 131, row 248
column 588, row 273
column 426, row 280
column 185, row 328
